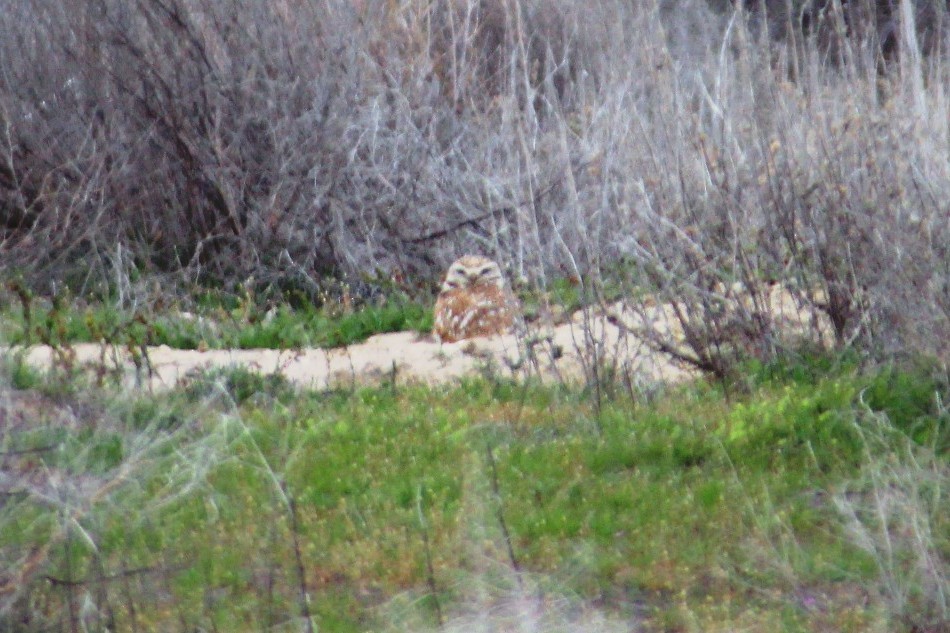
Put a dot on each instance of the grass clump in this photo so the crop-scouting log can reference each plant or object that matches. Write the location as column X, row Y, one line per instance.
column 237, row 385
column 895, row 510
column 799, row 505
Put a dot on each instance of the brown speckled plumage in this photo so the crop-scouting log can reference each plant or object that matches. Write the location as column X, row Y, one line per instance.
column 473, row 301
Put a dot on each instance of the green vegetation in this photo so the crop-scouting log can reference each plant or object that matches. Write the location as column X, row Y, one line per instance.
column 219, row 323
column 814, row 501
column 750, row 176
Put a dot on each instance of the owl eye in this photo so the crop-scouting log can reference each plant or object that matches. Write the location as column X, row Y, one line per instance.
column 486, row 270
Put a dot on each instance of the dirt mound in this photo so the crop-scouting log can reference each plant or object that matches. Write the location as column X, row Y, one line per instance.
column 568, row 352
column 564, row 352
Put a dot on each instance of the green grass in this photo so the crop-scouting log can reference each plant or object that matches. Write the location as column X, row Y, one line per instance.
column 218, row 325
column 228, row 321
column 694, row 511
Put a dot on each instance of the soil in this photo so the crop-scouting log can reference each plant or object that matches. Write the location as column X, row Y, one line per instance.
column 564, row 352
column 568, row 352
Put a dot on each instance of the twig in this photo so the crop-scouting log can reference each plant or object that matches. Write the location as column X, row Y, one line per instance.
column 127, row 595
column 430, row 571
column 499, row 511
column 125, row 573
column 301, row 572
column 507, row 210
column 472, row 222
column 28, row 451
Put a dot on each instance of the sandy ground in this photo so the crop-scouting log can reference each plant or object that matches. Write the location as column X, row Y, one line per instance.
column 564, row 352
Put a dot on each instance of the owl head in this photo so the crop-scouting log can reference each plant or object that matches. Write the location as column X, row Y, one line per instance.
column 472, row 271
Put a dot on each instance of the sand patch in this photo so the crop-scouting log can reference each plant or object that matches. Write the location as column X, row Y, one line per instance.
column 614, row 337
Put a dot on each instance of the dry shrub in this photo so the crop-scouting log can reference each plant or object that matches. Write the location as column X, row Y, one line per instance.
column 827, row 186
column 656, row 146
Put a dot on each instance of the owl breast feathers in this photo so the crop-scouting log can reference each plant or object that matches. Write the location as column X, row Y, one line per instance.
column 473, row 301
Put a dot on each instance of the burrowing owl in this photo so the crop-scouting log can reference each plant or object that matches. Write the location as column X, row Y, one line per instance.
column 473, row 301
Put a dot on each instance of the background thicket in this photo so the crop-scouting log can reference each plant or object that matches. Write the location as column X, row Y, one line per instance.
column 684, row 149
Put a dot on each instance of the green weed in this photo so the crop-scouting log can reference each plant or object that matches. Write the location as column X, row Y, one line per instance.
column 219, row 324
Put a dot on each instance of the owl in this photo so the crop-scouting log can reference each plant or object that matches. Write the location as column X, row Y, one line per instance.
column 473, row 301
